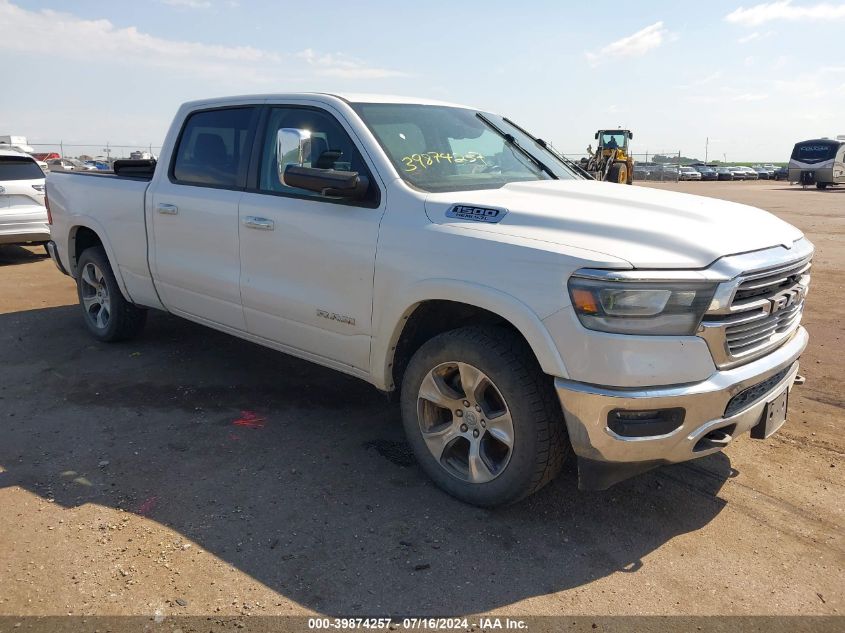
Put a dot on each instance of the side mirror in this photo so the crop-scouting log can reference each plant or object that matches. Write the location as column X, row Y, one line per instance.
column 293, row 146
column 329, row 182
column 596, row 136
column 630, row 136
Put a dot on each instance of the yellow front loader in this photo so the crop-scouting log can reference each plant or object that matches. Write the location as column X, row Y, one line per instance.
column 611, row 161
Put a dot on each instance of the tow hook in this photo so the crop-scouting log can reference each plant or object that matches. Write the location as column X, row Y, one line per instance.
column 799, row 380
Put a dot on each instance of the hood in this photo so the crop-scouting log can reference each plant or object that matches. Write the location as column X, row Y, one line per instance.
column 650, row 228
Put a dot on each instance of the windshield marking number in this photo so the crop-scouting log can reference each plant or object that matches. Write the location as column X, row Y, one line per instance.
column 428, row 159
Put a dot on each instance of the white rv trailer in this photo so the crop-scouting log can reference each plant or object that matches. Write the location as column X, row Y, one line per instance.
column 819, row 162
column 18, row 143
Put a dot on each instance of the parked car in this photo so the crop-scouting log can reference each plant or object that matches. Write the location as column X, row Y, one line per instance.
column 68, row 164
column 707, row 173
column 96, row 164
column 750, row 174
column 624, row 345
column 782, row 173
column 23, row 216
column 739, row 173
column 688, row 173
column 667, row 172
column 642, row 173
column 724, row 173
column 762, row 173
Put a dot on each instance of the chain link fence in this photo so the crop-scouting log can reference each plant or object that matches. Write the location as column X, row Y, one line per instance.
column 648, row 166
column 656, row 167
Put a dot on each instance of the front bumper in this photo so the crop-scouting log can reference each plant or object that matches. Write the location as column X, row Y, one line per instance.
column 607, row 458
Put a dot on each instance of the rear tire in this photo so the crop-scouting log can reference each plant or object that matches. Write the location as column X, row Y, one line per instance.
column 821, row 185
column 493, row 444
column 108, row 316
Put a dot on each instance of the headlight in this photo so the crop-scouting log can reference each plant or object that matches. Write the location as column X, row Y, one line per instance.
column 640, row 307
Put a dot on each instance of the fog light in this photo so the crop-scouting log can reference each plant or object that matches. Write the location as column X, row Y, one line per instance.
column 629, row 423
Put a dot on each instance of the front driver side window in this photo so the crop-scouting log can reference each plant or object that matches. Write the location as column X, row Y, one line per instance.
column 330, row 148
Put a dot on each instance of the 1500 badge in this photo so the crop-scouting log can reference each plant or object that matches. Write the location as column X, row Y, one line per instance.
column 476, row 214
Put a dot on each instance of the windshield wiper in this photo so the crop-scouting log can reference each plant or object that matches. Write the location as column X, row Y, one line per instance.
column 563, row 159
column 510, row 140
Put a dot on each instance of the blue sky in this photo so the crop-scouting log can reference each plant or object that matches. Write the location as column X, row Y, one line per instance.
column 754, row 77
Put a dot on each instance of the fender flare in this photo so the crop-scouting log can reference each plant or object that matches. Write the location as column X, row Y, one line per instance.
column 91, row 224
column 508, row 307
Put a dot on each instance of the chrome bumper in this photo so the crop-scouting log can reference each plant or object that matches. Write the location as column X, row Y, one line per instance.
column 586, row 408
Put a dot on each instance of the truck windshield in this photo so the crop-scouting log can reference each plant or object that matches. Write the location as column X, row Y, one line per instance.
column 444, row 148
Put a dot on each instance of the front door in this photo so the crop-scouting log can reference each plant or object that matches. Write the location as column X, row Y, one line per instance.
column 307, row 261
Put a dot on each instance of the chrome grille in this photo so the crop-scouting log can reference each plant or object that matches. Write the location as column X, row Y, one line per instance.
column 760, row 310
column 770, row 282
column 745, row 336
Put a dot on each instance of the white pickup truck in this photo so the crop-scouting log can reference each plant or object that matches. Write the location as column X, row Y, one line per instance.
column 521, row 310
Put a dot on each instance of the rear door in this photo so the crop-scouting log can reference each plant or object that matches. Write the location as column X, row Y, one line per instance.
column 196, row 255
column 307, row 260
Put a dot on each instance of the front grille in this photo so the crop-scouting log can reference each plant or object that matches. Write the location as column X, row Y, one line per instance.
column 751, row 395
column 747, row 336
column 763, row 311
column 771, row 281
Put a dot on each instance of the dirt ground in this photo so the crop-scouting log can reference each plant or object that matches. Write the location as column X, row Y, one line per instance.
column 189, row 472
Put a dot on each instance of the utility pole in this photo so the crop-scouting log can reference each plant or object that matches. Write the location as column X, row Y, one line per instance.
column 706, row 149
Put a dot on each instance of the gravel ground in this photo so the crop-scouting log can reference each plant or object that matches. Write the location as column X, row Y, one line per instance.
column 189, row 472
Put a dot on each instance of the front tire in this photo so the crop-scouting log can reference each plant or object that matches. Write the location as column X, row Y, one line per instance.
column 108, row 316
column 481, row 417
column 618, row 173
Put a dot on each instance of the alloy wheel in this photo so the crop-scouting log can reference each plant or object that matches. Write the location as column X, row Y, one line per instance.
column 465, row 422
column 95, row 296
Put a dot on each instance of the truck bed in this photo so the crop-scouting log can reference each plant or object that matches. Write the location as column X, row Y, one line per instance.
column 97, row 201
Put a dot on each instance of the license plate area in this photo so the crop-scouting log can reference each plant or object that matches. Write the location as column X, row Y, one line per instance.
column 774, row 415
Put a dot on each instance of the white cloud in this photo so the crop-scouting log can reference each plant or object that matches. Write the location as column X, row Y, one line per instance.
column 188, row 4
column 749, row 96
column 785, row 10
column 812, row 85
column 339, row 65
column 83, row 39
column 756, row 35
column 635, row 45
column 707, row 79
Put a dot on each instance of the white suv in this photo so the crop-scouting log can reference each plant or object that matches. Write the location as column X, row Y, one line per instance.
column 23, row 216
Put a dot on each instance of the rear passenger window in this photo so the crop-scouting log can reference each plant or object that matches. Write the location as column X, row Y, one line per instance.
column 214, row 148
column 19, row 168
